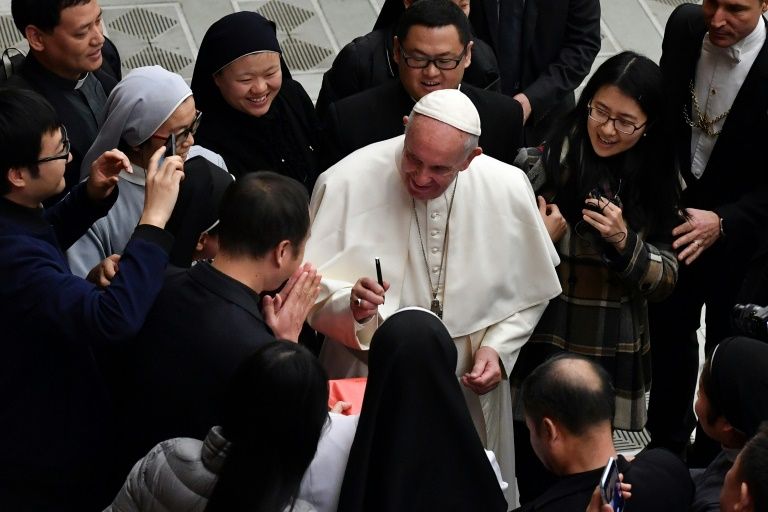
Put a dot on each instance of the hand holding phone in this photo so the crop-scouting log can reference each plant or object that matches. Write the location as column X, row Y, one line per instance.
column 170, row 145
column 610, row 486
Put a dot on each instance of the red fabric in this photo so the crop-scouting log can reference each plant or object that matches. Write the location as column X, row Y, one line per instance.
column 347, row 390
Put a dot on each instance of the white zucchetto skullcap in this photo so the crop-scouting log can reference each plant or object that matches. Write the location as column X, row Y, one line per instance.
column 452, row 107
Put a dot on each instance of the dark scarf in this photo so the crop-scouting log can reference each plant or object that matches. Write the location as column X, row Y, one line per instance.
column 283, row 140
column 416, row 447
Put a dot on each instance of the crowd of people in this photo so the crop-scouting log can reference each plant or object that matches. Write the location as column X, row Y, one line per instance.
column 508, row 270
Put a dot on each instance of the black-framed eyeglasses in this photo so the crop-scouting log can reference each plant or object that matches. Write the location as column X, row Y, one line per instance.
column 64, row 155
column 600, row 116
column 444, row 63
column 186, row 132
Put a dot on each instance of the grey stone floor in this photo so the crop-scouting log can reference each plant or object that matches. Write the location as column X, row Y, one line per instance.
column 311, row 32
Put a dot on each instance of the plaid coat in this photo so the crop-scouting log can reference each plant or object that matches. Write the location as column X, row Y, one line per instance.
column 602, row 314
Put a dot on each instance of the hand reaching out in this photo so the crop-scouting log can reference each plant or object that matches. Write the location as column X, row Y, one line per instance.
column 104, row 173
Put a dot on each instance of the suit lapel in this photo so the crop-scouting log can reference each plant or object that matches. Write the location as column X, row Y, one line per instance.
column 748, row 109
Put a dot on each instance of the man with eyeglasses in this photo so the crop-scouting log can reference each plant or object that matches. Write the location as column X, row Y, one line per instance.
column 369, row 60
column 715, row 62
column 432, row 48
column 71, row 64
column 54, row 407
column 456, row 232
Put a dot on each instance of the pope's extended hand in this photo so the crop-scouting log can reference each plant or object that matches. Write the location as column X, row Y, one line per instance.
column 553, row 219
column 366, row 297
column 486, row 372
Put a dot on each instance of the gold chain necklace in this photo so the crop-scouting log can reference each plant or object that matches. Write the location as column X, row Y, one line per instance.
column 435, row 306
column 703, row 122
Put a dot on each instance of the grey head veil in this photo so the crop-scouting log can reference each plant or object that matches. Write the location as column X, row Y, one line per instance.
column 136, row 108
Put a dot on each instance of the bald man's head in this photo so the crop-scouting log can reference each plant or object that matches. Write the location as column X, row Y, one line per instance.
column 571, row 390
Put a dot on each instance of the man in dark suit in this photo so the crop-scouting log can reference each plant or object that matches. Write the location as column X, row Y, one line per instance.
column 369, row 60
column 209, row 318
column 432, row 49
column 545, row 49
column 715, row 61
column 71, row 64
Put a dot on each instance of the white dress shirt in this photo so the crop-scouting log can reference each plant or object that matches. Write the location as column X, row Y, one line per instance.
column 719, row 75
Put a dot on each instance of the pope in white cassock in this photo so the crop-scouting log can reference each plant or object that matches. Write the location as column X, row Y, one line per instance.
column 456, row 232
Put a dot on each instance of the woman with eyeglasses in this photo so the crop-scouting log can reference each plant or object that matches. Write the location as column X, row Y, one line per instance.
column 608, row 194
column 147, row 109
column 256, row 116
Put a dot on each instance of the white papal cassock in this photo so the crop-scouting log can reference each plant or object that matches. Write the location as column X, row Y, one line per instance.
column 499, row 270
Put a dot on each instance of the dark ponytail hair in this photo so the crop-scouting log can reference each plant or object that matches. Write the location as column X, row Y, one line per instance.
column 273, row 414
column 650, row 188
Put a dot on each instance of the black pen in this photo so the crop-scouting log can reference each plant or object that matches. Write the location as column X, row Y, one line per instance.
column 378, row 273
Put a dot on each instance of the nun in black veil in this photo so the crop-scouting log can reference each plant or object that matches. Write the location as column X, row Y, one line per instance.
column 416, row 447
column 256, row 116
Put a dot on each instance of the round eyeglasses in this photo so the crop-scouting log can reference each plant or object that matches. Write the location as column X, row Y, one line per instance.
column 443, row 63
column 600, row 116
column 64, row 155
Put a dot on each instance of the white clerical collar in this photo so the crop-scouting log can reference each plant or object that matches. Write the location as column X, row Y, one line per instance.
column 139, row 176
column 80, row 82
column 735, row 51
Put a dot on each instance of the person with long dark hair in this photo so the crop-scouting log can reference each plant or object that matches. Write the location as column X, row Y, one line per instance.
column 256, row 115
column 272, row 417
column 416, row 447
column 609, row 196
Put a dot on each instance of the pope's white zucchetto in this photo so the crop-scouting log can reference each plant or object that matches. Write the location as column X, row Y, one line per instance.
column 452, row 107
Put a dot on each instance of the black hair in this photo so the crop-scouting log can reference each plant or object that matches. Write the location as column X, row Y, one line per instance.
column 273, row 413
column 649, row 183
column 44, row 14
column 434, row 13
column 754, row 467
column 705, row 383
column 573, row 402
column 259, row 211
column 25, row 116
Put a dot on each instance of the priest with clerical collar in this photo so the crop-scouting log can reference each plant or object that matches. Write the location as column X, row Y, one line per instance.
column 71, row 64
column 456, row 232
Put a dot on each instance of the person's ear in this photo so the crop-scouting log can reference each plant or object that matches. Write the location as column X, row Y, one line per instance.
column 405, row 120
column 551, row 432
column 475, row 152
column 468, row 56
column 396, row 50
column 745, row 503
column 282, row 253
column 201, row 241
column 35, row 38
column 16, row 177
column 407, row 3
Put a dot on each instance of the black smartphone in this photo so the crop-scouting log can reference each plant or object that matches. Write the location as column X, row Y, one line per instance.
column 170, row 145
column 610, row 486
